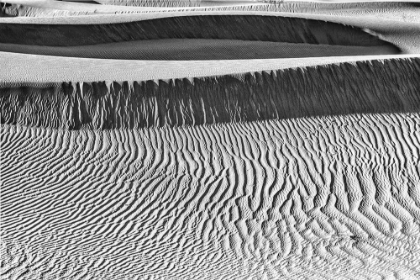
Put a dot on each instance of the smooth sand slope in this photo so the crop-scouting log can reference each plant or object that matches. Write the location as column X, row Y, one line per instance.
column 397, row 23
column 199, row 49
column 35, row 8
column 119, row 161
column 241, row 27
column 334, row 197
column 203, row 37
column 23, row 68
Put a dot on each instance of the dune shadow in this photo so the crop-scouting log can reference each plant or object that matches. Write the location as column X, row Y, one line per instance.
column 363, row 87
column 225, row 27
column 198, row 49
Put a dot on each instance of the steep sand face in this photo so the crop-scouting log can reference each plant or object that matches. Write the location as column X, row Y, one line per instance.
column 241, row 27
column 318, row 198
column 294, row 168
column 397, row 23
column 176, row 198
column 364, row 87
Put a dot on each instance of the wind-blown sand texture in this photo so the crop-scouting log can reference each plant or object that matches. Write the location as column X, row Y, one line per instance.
column 243, row 141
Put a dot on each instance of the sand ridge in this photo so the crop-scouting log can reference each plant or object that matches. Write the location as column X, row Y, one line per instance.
column 400, row 26
column 124, row 166
column 366, row 87
column 198, row 49
column 289, row 199
column 23, row 68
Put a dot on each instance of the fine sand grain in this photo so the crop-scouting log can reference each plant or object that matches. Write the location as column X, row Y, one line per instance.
column 198, row 49
column 241, row 27
column 209, row 140
column 364, row 87
column 398, row 25
column 24, row 68
column 319, row 198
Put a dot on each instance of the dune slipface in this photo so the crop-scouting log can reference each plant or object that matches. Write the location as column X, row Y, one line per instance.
column 364, row 87
column 293, row 171
column 241, row 27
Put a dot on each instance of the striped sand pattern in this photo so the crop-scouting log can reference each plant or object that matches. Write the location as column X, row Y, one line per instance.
column 374, row 86
column 329, row 198
column 324, row 197
column 305, row 167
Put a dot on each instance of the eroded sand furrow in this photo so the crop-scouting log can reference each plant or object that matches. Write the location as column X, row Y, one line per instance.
column 233, row 199
column 366, row 87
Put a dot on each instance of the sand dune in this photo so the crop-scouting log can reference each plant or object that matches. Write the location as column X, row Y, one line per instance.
column 320, row 198
column 367, row 87
column 397, row 23
column 24, row 68
column 251, row 27
column 198, row 49
column 268, row 141
column 35, row 8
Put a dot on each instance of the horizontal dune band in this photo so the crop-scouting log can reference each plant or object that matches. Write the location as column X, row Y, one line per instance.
column 195, row 49
column 238, row 27
column 363, row 87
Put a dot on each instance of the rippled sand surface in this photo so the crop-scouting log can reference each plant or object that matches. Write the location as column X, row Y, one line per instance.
column 322, row 198
column 217, row 140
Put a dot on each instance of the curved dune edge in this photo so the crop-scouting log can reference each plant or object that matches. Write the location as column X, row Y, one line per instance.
column 158, row 5
column 402, row 30
column 303, row 168
column 210, row 169
column 248, row 28
column 198, row 49
column 400, row 27
column 367, row 87
column 305, row 198
column 355, row 20
column 47, row 7
column 23, row 68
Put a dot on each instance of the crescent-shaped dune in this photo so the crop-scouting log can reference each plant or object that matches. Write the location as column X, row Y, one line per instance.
column 221, row 142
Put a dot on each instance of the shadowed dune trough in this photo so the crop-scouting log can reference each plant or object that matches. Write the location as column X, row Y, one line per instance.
column 298, row 168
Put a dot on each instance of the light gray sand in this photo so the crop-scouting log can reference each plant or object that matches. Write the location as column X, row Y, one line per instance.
column 255, row 195
column 197, row 49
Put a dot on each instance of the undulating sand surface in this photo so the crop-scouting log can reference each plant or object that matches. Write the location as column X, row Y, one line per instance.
column 199, row 49
column 209, row 140
column 317, row 198
column 241, row 27
column 397, row 23
column 21, row 69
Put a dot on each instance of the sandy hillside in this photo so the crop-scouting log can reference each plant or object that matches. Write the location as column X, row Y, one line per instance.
column 395, row 22
column 209, row 140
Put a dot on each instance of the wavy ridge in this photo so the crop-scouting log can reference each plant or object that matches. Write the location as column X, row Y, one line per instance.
column 291, row 198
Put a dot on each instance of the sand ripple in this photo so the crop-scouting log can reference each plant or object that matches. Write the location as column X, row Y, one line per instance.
column 329, row 197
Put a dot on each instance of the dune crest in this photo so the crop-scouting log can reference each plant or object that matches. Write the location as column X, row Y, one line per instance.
column 241, row 27
column 266, row 141
column 365, row 87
